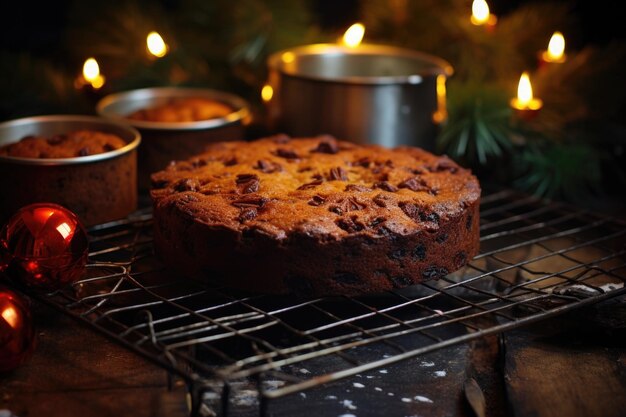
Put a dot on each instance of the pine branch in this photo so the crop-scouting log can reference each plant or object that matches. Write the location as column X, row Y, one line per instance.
column 570, row 171
column 32, row 86
column 477, row 128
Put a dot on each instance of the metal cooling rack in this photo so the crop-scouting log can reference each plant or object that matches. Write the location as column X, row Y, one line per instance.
column 538, row 259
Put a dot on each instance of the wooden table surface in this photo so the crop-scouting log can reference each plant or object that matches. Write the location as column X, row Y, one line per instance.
column 572, row 365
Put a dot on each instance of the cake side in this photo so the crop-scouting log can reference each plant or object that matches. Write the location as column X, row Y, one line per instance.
column 316, row 216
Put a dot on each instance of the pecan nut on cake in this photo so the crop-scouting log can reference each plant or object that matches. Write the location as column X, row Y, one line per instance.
column 315, row 216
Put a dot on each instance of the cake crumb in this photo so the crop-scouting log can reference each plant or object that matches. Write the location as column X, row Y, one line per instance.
column 422, row 399
column 348, row 404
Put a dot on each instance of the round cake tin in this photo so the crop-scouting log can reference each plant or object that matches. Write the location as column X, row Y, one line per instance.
column 98, row 188
column 163, row 142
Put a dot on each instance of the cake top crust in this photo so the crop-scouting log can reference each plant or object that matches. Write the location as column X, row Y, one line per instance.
column 73, row 144
column 188, row 109
column 319, row 187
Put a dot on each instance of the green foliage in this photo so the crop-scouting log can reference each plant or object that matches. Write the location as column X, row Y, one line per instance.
column 207, row 39
column 443, row 28
column 571, row 171
column 478, row 124
column 31, row 86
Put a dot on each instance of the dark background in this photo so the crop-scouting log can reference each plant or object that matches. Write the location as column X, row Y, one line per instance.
column 38, row 27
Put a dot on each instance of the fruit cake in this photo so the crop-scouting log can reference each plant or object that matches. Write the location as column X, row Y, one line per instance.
column 315, row 216
column 186, row 109
column 70, row 145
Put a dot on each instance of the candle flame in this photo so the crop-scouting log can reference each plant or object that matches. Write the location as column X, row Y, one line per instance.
column 98, row 82
column 480, row 12
column 267, row 92
column 156, row 44
column 354, row 35
column 288, row 57
column 91, row 73
column 441, row 114
column 524, row 90
column 91, row 69
column 556, row 46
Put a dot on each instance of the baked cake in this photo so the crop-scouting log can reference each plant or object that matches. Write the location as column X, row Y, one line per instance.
column 70, row 145
column 315, row 216
column 188, row 109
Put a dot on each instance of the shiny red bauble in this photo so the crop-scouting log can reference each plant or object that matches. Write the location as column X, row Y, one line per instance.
column 17, row 334
column 43, row 246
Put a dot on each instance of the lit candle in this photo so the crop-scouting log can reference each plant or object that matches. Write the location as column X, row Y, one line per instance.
column 441, row 114
column 354, row 35
column 267, row 92
column 525, row 104
column 481, row 15
column 555, row 54
column 156, row 45
column 90, row 76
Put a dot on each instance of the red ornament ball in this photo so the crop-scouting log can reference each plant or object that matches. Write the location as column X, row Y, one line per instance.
column 44, row 246
column 17, row 334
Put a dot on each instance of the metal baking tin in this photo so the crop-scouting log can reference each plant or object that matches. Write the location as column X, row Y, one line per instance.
column 165, row 142
column 368, row 94
column 120, row 105
column 14, row 130
column 64, row 180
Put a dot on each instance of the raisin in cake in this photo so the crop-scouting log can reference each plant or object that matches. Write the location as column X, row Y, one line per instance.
column 315, row 216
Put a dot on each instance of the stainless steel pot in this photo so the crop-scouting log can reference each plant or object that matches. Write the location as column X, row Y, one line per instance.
column 369, row 94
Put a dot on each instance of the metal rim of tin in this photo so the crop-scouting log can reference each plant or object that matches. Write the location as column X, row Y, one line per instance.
column 241, row 111
column 439, row 65
column 63, row 118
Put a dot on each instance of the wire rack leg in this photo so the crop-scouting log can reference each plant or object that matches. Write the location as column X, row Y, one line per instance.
column 225, row 398
column 197, row 395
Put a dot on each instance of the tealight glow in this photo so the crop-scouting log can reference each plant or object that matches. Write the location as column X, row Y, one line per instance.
column 556, row 49
column 156, row 45
column 91, row 73
column 267, row 92
column 525, row 101
column 354, row 35
column 481, row 14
